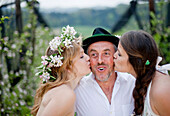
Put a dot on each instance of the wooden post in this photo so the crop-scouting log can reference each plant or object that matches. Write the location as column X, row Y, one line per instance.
column 18, row 16
column 1, row 61
column 168, row 14
column 151, row 9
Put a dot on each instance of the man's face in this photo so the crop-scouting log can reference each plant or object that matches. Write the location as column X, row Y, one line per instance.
column 101, row 59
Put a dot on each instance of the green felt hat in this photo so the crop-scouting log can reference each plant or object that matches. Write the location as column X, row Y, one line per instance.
column 100, row 34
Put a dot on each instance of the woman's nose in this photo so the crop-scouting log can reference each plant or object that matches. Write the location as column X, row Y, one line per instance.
column 114, row 56
column 87, row 57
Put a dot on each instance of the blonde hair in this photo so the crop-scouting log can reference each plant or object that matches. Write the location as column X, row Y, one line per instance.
column 59, row 73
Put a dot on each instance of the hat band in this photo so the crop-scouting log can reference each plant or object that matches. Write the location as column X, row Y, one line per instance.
column 101, row 35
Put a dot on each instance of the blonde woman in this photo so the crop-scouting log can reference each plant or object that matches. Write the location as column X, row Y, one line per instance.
column 64, row 64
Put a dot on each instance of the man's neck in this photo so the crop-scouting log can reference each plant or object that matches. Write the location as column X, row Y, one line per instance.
column 108, row 85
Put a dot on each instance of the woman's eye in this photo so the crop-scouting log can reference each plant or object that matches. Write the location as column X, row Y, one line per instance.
column 82, row 57
column 119, row 54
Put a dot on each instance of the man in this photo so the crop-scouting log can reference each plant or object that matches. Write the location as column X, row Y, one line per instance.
column 104, row 92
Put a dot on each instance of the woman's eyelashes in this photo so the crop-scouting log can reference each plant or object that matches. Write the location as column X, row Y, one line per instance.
column 119, row 54
column 82, row 56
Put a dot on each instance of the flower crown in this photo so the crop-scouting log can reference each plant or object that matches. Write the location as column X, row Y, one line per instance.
column 118, row 36
column 59, row 43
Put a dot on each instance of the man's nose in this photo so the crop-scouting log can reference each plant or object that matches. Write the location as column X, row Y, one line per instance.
column 100, row 59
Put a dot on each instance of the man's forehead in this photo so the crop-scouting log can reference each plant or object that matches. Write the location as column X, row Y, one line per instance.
column 101, row 46
column 101, row 43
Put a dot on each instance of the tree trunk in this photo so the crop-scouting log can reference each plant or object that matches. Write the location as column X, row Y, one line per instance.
column 18, row 16
column 151, row 9
column 1, row 62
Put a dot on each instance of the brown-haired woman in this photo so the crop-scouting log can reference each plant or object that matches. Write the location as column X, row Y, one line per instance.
column 137, row 54
column 63, row 68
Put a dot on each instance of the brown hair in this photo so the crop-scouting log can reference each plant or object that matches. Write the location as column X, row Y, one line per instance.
column 140, row 47
column 59, row 73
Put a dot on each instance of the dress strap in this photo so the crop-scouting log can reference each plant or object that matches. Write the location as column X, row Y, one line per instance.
column 164, row 68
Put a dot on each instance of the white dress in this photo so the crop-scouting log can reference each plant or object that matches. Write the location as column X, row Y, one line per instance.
column 147, row 107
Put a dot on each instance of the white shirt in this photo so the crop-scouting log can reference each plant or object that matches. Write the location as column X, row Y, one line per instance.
column 91, row 101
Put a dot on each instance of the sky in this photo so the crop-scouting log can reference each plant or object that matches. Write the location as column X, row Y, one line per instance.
column 46, row 4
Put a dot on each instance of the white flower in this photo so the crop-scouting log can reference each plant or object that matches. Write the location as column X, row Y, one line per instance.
column 6, row 39
column 72, row 31
column 46, row 76
column 5, row 49
column 67, row 42
column 14, row 93
column 50, row 65
column 44, row 57
column 22, row 103
column 16, row 32
column 68, row 31
column 44, row 62
column 56, row 59
column 29, row 25
column 118, row 36
column 59, row 63
column 9, row 54
column 17, row 74
column 2, row 110
column 24, row 72
column 55, row 43
column 2, row 83
column 6, row 76
column 16, row 104
column 11, row 72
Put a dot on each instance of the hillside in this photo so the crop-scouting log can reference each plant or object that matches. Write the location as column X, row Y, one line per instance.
column 106, row 17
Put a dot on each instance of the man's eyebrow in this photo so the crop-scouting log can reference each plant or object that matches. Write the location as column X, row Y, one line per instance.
column 92, row 50
column 107, row 50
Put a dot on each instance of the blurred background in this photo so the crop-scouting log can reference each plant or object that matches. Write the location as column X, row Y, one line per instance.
column 27, row 26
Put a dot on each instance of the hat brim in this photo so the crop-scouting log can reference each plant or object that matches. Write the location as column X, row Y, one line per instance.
column 96, row 38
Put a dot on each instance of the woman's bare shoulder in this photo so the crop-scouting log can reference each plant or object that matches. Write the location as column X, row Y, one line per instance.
column 160, row 92
column 61, row 101
column 61, row 92
column 161, row 82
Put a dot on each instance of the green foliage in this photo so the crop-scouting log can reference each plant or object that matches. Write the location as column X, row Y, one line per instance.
column 18, row 99
column 3, row 19
column 161, row 33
